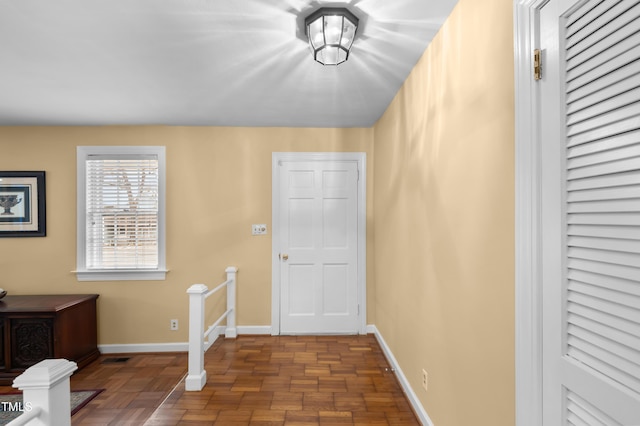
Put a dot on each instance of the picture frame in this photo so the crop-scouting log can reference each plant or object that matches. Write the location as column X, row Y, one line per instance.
column 22, row 204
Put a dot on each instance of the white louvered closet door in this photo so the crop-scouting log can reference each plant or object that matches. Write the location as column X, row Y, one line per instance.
column 591, row 212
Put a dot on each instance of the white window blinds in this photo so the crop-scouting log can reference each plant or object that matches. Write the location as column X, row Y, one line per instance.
column 122, row 211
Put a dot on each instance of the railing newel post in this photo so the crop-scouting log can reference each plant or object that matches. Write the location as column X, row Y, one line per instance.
column 45, row 387
column 197, row 375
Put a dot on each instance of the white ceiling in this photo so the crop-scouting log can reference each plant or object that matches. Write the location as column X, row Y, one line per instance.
column 202, row 62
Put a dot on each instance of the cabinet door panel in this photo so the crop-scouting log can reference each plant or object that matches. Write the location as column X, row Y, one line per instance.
column 32, row 341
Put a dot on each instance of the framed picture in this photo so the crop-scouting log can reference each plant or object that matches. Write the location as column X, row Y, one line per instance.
column 22, row 204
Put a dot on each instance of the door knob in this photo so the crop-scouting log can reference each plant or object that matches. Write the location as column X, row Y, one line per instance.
column 285, row 257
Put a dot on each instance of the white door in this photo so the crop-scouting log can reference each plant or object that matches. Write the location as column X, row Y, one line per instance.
column 318, row 251
column 590, row 95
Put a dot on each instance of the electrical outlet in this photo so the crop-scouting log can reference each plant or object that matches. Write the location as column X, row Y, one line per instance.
column 425, row 380
column 174, row 324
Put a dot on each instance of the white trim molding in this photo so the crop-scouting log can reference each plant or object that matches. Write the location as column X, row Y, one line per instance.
column 249, row 330
column 361, row 159
column 180, row 346
column 406, row 387
column 528, row 289
column 143, row 348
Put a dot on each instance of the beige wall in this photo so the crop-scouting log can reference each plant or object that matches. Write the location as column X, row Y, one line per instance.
column 218, row 184
column 444, row 220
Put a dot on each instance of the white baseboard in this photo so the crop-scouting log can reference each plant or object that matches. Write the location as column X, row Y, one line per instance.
column 408, row 390
column 178, row 346
column 144, row 347
column 254, row 329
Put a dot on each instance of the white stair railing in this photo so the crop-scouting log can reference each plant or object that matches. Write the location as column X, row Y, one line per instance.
column 45, row 394
column 199, row 339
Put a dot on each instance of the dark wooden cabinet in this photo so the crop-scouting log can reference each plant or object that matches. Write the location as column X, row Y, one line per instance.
column 33, row 328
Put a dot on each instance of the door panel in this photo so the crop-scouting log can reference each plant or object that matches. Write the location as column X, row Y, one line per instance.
column 591, row 212
column 319, row 252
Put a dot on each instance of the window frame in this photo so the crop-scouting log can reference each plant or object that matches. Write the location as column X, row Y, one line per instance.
column 107, row 274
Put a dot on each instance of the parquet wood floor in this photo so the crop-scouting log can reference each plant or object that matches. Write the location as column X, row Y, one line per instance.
column 251, row 380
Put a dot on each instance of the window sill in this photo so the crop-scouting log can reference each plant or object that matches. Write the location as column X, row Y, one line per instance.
column 122, row 275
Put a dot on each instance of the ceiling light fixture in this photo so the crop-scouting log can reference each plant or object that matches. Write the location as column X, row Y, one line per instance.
column 331, row 31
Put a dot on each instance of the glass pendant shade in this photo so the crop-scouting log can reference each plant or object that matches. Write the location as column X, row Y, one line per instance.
column 331, row 32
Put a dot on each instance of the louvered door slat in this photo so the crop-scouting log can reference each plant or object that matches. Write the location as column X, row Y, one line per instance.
column 607, row 168
column 618, row 271
column 577, row 404
column 610, row 143
column 599, row 33
column 623, row 325
column 618, row 56
column 621, row 75
column 614, row 231
column 606, row 349
column 604, row 293
column 626, row 98
column 605, row 256
column 615, row 128
column 616, row 88
column 629, row 219
column 628, row 150
column 605, row 281
column 602, row 305
column 607, row 118
column 629, row 246
column 604, row 206
column 613, row 333
column 611, row 365
column 620, row 192
column 578, row 416
column 601, row 66
column 619, row 179
column 583, row 16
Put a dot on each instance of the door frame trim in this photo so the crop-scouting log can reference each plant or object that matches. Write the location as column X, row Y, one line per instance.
column 361, row 159
column 528, row 228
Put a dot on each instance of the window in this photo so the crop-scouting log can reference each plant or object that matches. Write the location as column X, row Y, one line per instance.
column 121, row 197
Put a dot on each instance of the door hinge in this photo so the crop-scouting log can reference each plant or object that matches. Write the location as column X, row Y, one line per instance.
column 358, row 309
column 537, row 64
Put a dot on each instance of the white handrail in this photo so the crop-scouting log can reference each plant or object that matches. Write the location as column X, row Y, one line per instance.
column 210, row 292
column 46, row 393
column 215, row 324
column 198, row 293
column 26, row 417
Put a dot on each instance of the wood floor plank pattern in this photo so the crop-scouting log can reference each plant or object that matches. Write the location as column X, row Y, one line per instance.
column 292, row 380
column 251, row 380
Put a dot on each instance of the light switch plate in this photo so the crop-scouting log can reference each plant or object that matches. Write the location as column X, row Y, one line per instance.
column 260, row 229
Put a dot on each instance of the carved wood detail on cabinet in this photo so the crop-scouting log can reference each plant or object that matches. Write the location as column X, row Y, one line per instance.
column 31, row 341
